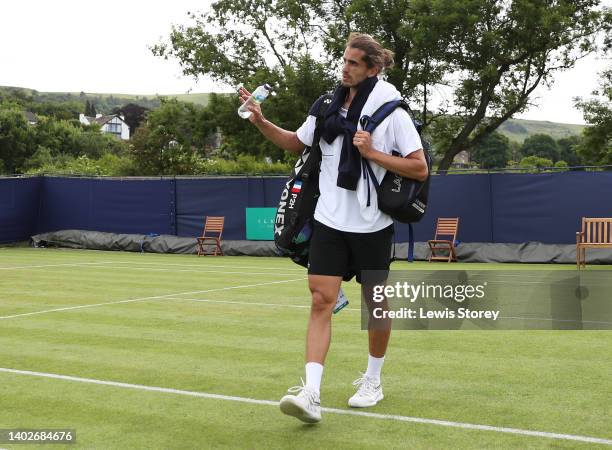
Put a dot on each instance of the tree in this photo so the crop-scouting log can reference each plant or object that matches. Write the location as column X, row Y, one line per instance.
column 596, row 146
column 69, row 110
column 16, row 139
column 90, row 109
column 63, row 137
column 567, row 150
column 535, row 162
column 492, row 54
column 173, row 137
column 541, row 145
column 492, row 152
column 59, row 136
column 295, row 92
column 133, row 115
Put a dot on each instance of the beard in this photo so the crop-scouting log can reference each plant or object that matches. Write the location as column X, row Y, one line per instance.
column 348, row 83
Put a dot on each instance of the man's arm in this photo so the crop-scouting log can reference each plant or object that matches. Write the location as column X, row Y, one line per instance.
column 412, row 166
column 284, row 139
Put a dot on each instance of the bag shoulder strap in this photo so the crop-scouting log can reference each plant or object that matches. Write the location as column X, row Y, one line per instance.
column 318, row 109
column 369, row 123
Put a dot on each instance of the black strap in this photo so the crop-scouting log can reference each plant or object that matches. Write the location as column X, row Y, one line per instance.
column 410, row 243
column 323, row 104
column 369, row 124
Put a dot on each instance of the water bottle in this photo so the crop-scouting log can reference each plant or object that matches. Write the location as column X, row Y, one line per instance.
column 258, row 96
column 341, row 301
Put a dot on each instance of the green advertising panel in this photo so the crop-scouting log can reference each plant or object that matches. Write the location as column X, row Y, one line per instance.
column 260, row 224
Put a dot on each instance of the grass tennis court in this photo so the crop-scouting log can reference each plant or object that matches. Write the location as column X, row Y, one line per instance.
column 234, row 327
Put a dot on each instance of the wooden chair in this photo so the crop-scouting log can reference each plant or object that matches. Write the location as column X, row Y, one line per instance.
column 596, row 233
column 211, row 236
column 444, row 240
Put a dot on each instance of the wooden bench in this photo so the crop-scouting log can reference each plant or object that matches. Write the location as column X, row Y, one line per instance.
column 596, row 233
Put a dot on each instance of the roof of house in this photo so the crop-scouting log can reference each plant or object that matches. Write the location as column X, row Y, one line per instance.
column 30, row 116
column 102, row 120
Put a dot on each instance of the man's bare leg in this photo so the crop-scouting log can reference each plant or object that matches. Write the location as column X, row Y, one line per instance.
column 306, row 404
column 369, row 391
column 379, row 330
column 324, row 290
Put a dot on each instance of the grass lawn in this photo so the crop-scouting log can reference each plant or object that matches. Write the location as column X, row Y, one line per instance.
column 235, row 326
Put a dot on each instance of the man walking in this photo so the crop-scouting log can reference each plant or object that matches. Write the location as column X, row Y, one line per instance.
column 350, row 233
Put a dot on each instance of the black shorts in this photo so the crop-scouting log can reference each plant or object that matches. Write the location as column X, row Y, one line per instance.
column 346, row 254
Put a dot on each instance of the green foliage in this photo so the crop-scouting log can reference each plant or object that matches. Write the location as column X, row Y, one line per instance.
column 596, row 147
column 492, row 152
column 42, row 162
column 568, row 150
column 492, row 53
column 71, row 138
column 51, row 142
column 295, row 91
column 172, row 138
column 90, row 109
column 16, row 142
column 42, row 157
column 535, row 162
column 541, row 145
column 243, row 164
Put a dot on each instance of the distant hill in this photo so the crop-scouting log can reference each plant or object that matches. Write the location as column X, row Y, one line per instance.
column 198, row 99
column 103, row 102
column 515, row 129
column 519, row 129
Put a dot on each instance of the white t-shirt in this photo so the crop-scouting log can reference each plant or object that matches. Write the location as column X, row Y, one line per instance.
column 347, row 210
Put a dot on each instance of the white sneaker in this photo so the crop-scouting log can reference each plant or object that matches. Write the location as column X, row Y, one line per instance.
column 306, row 405
column 369, row 392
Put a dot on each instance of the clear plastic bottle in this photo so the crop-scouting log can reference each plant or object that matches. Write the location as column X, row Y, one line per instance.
column 258, row 96
column 341, row 301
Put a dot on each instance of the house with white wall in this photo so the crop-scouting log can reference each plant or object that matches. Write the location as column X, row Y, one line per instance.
column 113, row 124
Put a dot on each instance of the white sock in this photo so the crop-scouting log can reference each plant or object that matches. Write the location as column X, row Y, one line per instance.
column 374, row 367
column 314, row 372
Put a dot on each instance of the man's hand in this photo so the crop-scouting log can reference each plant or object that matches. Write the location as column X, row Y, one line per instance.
column 363, row 141
column 256, row 116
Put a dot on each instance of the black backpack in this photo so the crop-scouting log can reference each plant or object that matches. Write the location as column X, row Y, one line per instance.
column 404, row 199
column 295, row 212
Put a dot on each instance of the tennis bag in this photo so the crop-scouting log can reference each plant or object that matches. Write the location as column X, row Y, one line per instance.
column 404, row 199
column 295, row 212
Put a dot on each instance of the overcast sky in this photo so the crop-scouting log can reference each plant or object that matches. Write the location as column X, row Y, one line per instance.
column 73, row 46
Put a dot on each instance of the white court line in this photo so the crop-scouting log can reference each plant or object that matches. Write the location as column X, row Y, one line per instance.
column 204, row 270
column 69, row 308
column 278, row 305
column 56, row 265
column 106, row 265
column 216, row 266
column 443, row 423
